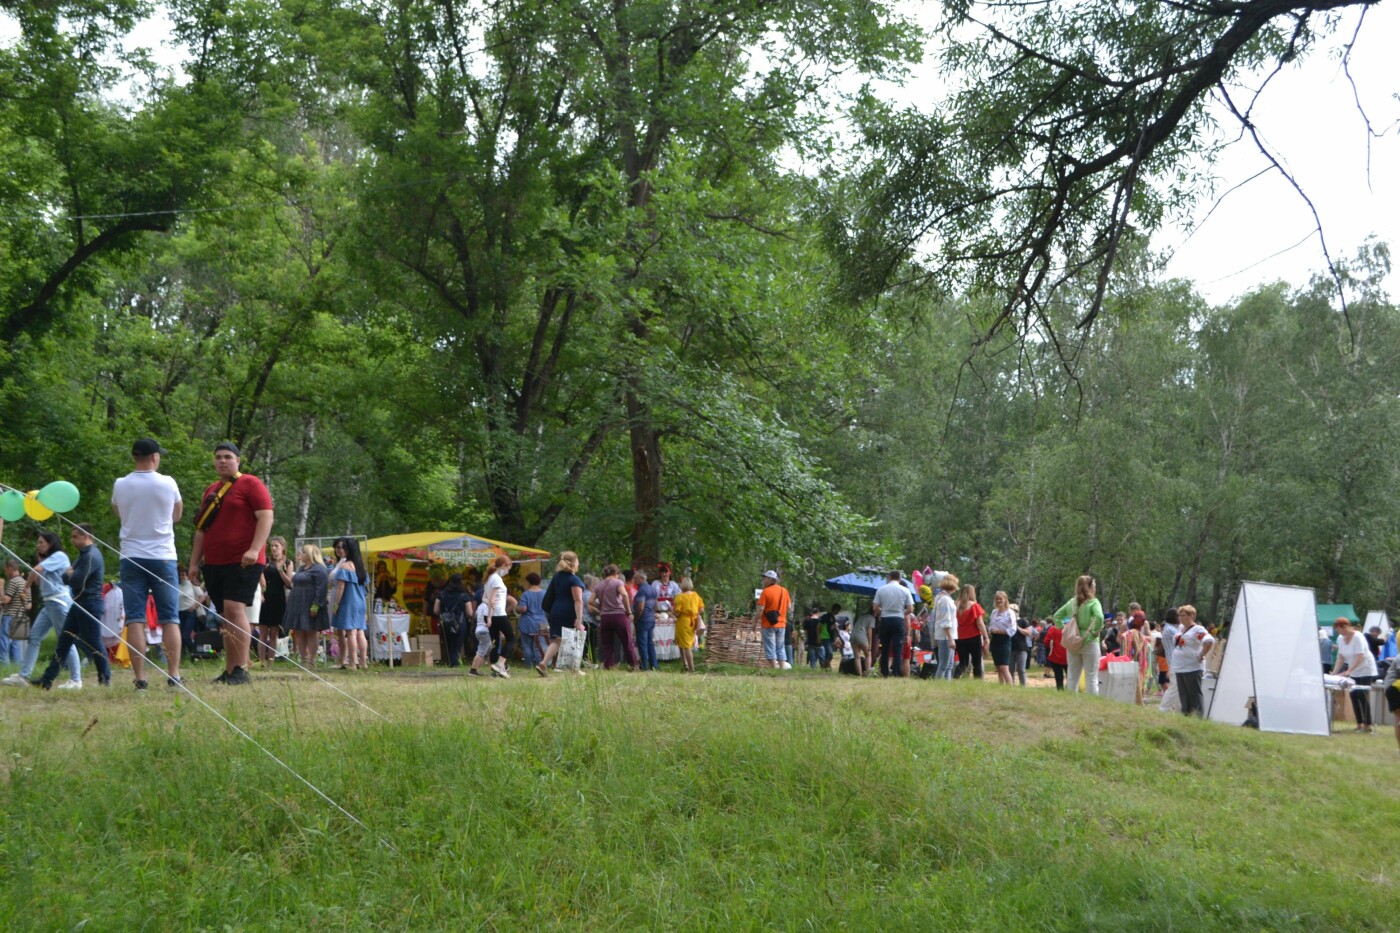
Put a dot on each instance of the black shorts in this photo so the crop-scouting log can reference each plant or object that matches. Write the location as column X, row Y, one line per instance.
column 231, row 582
column 1392, row 697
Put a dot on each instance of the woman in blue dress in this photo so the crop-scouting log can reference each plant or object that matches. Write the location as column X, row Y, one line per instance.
column 349, row 616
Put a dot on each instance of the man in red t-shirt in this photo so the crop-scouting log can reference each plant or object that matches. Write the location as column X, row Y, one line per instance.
column 231, row 529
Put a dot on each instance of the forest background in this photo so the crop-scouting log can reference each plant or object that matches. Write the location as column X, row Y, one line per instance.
column 672, row 280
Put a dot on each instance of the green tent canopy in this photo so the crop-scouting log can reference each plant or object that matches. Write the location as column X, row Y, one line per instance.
column 1327, row 613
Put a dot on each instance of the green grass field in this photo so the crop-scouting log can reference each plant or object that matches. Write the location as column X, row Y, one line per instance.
column 625, row 802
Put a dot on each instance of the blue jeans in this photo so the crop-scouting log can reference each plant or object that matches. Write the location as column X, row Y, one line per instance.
column 141, row 576
column 83, row 628
column 945, row 660
column 531, row 648
column 891, row 645
column 51, row 617
column 814, row 656
column 189, row 621
column 6, row 646
column 773, row 645
column 646, row 646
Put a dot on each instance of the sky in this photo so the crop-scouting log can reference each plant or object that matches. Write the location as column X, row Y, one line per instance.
column 1309, row 119
column 1262, row 231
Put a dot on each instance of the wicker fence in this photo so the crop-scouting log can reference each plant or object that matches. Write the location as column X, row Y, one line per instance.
column 732, row 639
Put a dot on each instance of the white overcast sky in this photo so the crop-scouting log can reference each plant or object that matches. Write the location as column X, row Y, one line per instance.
column 1261, row 232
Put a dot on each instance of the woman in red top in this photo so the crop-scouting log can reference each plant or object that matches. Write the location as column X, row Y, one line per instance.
column 1055, row 654
column 972, row 633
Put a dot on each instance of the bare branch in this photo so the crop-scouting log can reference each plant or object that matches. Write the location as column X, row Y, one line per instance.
column 1317, row 221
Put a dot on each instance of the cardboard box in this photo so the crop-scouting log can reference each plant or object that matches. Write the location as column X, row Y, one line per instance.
column 431, row 643
column 1341, row 706
column 415, row 659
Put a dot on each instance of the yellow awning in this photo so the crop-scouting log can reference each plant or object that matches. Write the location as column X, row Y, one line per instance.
column 450, row 540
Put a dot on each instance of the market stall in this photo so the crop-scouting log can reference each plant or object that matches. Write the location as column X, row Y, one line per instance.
column 408, row 569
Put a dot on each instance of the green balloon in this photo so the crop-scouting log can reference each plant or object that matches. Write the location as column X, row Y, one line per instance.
column 12, row 505
column 60, row 495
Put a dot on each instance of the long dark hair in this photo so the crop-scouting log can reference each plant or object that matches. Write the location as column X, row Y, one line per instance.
column 454, row 584
column 54, row 542
column 351, row 547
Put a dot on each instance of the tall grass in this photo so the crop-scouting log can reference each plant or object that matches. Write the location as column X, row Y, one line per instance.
column 656, row 801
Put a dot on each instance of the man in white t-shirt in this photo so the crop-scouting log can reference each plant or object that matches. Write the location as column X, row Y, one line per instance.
column 149, row 505
column 891, row 606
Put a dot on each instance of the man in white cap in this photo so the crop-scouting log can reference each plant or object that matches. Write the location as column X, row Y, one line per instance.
column 774, row 608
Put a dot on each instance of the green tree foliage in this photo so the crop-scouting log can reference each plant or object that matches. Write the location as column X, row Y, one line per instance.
column 545, row 272
column 1191, row 448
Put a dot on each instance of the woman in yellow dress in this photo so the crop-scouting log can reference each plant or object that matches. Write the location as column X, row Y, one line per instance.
column 688, row 606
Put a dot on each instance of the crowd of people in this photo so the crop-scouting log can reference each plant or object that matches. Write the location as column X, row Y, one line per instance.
column 953, row 634
column 240, row 576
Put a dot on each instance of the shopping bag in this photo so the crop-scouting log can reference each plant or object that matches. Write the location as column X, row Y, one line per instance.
column 571, row 642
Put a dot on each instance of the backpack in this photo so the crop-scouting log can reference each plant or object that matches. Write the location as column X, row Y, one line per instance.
column 1070, row 638
column 453, row 620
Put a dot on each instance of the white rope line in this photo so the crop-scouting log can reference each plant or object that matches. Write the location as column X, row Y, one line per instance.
column 226, row 721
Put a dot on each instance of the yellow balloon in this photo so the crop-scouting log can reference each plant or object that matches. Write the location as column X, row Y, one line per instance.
column 34, row 508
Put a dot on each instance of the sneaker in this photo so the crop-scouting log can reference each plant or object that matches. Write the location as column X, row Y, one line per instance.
column 141, row 685
column 541, row 670
column 473, row 672
column 174, row 681
column 15, row 680
column 787, row 666
column 236, row 678
column 222, row 678
column 69, row 685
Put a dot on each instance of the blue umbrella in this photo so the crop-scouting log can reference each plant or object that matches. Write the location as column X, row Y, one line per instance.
column 865, row 584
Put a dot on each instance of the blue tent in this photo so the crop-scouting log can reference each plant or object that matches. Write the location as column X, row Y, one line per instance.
column 865, row 584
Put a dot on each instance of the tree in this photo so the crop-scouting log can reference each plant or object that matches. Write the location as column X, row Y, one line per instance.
column 682, row 110
column 1069, row 128
column 90, row 173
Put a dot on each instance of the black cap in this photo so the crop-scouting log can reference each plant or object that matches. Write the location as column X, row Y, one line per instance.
column 145, row 447
column 230, row 446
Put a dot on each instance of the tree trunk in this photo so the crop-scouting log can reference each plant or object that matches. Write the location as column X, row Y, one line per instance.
column 646, row 480
column 308, row 443
column 1093, row 532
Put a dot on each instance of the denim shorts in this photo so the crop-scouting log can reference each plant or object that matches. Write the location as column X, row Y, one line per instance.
column 141, row 576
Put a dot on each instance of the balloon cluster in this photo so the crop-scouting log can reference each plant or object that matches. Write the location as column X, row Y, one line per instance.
column 39, row 504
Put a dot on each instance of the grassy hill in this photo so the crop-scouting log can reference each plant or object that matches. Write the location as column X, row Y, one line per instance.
column 662, row 801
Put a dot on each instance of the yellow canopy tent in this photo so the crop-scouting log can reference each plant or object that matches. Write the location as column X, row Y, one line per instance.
column 404, row 565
